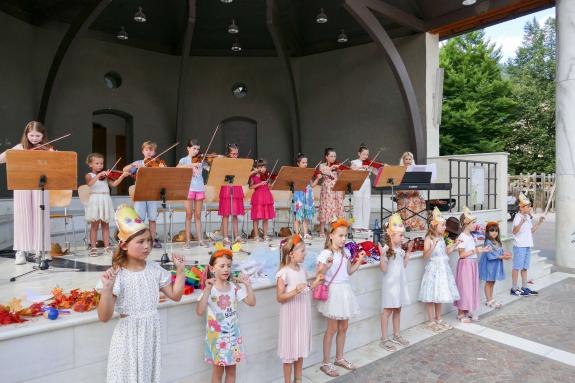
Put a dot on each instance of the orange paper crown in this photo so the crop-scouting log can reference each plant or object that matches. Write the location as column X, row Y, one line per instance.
column 339, row 223
column 222, row 252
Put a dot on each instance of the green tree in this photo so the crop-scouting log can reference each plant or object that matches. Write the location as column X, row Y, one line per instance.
column 477, row 104
column 531, row 139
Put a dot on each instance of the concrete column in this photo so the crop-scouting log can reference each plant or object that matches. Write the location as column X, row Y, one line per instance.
column 433, row 93
column 565, row 140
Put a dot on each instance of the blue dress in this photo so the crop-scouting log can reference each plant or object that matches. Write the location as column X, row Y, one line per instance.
column 490, row 266
column 302, row 206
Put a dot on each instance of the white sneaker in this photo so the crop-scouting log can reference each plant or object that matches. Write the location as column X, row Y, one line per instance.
column 20, row 258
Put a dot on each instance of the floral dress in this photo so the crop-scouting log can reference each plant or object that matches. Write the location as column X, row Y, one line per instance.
column 302, row 206
column 409, row 203
column 330, row 202
column 224, row 344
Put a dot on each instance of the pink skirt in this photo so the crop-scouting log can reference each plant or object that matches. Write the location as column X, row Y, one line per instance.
column 262, row 204
column 237, row 207
column 28, row 221
column 467, row 280
column 295, row 336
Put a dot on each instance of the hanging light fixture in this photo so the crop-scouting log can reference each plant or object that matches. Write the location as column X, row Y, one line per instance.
column 226, row 1
column 122, row 35
column 233, row 28
column 236, row 47
column 469, row 2
column 342, row 38
column 140, row 16
column 321, row 17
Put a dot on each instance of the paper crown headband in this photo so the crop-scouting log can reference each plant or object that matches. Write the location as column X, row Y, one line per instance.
column 467, row 216
column 222, row 252
column 436, row 217
column 339, row 223
column 296, row 238
column 523, row 200
column 128, row 222
column 395, row 224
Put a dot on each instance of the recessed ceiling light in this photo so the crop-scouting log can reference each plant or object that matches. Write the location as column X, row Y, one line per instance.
column 321, row 17
column 342, row 38
column 236, row 47
column 140, row 16
column 469, row 2
column 122, row 35
column 233, row 28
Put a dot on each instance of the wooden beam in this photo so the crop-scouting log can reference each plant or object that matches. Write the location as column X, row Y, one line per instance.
column 397, row 15
column 76, row 29
column 272, row 21
column 359, row 9
column 182, row 90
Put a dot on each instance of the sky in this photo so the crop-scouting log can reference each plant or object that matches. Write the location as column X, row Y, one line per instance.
column 508, row 35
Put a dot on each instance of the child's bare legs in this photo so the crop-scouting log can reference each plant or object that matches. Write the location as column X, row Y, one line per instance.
column 265, row 227
column 198, row 220
column 230, row 374
column 437, row 311
column 340, row 338
column 298, row 368
column 225, row 223
column 235, row 224
column 106, row 233
column 256, row 229
column 188, row 223
column 94, row 233
column 430, row 314
column 489, row 290
column 305, row 230
column 332, row 327
column 296, row 226
column 217, row 373
column 396, row 321
column 523, row 278
column 321, row 228
column 384, row 319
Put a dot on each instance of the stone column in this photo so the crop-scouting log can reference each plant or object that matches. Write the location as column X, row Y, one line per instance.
column 565, row 140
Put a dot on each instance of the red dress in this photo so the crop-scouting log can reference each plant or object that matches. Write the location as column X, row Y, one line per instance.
column 262, row 201
column 237, row 208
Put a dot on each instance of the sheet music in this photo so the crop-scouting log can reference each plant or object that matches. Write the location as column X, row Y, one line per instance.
column 431, row 168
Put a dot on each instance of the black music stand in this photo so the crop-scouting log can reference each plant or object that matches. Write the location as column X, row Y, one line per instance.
column 161, row 184
column 349, row 181
column 230, row 172
column 41, row 170
column 389, row 176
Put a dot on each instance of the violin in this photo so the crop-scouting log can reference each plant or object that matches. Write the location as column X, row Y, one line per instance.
column 373, row 164
column 113, row 175
column 209, row 157
column 154, row 163
column 268, row 176
column 341, row 166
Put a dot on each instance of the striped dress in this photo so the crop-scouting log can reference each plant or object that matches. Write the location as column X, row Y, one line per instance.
column 294, row 340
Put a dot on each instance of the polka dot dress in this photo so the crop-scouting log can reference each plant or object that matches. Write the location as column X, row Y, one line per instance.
column 135, row 346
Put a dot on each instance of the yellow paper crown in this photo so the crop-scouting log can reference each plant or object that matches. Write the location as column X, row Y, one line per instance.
column 467, row 216
column 395, row 224
column 523, row 200
column 339, row 223
column 436, row 217
column 128, row 222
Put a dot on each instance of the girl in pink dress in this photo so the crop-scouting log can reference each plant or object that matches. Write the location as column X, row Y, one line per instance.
column 294, row 296
column 330, row 202
column 27, row 214
column 235, row 208
column 262, row 200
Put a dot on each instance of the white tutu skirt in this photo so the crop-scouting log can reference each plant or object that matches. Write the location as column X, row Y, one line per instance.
column 438, row 284
column 100, row 208
column 341, row 303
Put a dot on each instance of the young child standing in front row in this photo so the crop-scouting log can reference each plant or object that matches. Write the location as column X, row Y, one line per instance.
column 394, row 292
column 491, row 263
column 146, row 209
column 224, row 347
column 294, row 296
column 262, row 201
column 438, row 284
column 523, row 229
column 302, row 207
column 27, row 214
column 132, row 288
column 341, row 304
column 100, row 209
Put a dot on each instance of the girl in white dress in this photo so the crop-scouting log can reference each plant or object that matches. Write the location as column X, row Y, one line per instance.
column 362, row 197
column 394, row 292
column 100, row 209
column 131, row 287
column 438, row 284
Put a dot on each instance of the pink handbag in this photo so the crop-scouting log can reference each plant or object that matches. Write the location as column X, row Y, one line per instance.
column 321, row 292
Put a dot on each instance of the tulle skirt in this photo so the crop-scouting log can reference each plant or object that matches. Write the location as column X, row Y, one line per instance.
column 341, row 303
column 100, row 208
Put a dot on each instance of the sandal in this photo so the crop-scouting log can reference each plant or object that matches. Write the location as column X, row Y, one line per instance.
column 308, row 237
column 434, row 326
column 267, row 239
column 295, row 380
column 400, row 340
column 258, row 239
column 345, row 364
column 493, row 304
column 226, row 241
column 108, row 250
column 93, row 252
column 240, row 240
column 387, row 344
column 329, row 370
column 444, row 325
column 463, row 319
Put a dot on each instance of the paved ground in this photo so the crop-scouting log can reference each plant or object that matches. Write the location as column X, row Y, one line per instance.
column 455, row 356
column 548, row 318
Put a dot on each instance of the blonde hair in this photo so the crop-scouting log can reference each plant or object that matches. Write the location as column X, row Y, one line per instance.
column 33, row 126
column 150, row 144
column 91, row 156
column 405, row 154
column 286, row 249
column 328, row 243
column 432, row 230
column 391, row 249
column 120, row 257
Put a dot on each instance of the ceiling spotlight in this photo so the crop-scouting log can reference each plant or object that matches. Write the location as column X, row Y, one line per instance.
column 469, row 2
column 122, row 35
column 236, row 47
column 140, row 16
column 321, row 17
column 342, row 38
column 226, row 1
column 233, row 28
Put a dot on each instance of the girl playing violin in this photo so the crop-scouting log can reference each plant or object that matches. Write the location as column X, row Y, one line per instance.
column 302, row 207
column 27, row 214
column 147, row 209
column 362, row 197
column 197, row 192
column 100, row 209
column 233, row 208
column 262, row 200
column 330, row 202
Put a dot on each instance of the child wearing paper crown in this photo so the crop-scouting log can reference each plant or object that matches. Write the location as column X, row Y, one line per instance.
column 223, row 347
column 438, row 284
column 394, row 292
column 334, row 263
column 523, row 229
column 132, row 288
column 491, row 263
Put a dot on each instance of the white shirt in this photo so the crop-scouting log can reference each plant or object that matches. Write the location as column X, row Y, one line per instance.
column 467, row 244
column 342, row 275
column 524, row 237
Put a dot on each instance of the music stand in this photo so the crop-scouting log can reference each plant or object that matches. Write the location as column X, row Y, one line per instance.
column 389, row 176
column 349, row 181
column 230, row 172
column 41, row 170
column 161, row 184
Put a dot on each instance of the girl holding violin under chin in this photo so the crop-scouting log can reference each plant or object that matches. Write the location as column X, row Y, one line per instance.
column 147, row 209
column 262, row 200
column 330, row 202
column 197, row 191
column 100, row 209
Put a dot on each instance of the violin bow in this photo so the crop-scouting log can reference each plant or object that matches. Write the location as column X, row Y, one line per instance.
column 158, row 156
column 113, row 167
column 49, row 142
column 210, row 144
column 272, row 172
column 376, row 155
